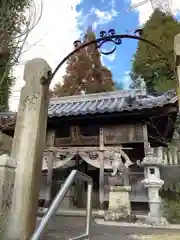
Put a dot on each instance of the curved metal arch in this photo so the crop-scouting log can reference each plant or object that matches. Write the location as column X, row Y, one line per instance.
column 114, row 38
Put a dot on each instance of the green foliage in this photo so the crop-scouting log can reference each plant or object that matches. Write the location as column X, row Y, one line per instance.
column 148, row 62
column 171, row 205
column 171, row 211
column 85, row 73
column 12, row 20
column 137, row 82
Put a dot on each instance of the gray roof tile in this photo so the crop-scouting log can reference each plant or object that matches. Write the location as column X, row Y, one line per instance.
column 117, row 101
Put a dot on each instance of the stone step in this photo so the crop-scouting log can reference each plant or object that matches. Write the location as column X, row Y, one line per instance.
column 82, row 213
column 73, row 212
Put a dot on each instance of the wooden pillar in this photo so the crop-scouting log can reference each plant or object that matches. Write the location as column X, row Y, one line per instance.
column 101, row 173
column 145, row 137
column 49, row 179
column 146, row 149
column 49, row 143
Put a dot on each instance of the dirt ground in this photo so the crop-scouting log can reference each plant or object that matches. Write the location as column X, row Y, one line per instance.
column 156, row 237
column 67, row 227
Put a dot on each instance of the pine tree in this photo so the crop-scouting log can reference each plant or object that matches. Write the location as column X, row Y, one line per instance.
column 148, row 61
column 85, row 72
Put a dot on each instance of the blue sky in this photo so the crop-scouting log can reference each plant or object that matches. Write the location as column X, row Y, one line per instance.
column 63, row 22
column 123, row 21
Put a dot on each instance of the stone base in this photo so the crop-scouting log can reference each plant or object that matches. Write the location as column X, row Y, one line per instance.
column 156, row 221
column 119, row 200
column 119, row 216
column 119, row 204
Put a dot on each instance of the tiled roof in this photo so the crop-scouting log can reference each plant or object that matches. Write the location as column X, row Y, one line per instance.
column 109, row 102
column 117, row 101
column 7, row 116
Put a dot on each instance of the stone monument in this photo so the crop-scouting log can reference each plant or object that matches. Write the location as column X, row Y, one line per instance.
column 119, row 199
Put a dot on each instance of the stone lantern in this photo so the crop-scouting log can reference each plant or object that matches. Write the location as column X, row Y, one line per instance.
column 153, row 183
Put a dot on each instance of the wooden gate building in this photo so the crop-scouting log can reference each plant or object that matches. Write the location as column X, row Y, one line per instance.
column 82, row 131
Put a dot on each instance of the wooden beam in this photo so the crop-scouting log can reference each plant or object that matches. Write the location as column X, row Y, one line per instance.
column 49, row 142
column 49, row 179
column 83, row 149
column 101, row 170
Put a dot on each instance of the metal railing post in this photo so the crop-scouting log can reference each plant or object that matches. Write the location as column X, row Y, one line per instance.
column 89, row 209
column 58, row 199
column 88, row 215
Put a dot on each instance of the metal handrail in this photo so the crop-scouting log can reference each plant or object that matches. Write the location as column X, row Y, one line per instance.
column 59, row 198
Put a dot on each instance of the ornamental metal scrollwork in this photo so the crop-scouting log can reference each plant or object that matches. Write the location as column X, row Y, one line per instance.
column 107, row 38
column 138, row 32
column 77, row 43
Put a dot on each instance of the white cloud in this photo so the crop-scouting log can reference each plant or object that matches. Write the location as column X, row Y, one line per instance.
column 103, row 17
column 110, row 57
column 145, row 10
column 126, row 80
column 59, row 26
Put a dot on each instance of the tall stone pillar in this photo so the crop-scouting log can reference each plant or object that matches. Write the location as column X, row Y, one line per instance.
column 153, row 183
column 28, row 146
